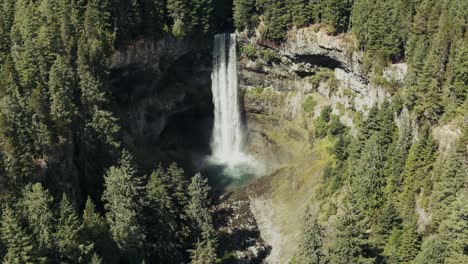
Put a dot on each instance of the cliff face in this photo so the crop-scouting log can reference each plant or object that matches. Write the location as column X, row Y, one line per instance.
column 163, row 98
column 308, row 71
column 284, row 89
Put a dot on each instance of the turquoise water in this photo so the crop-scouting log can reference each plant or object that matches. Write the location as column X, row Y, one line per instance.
column 223, row 176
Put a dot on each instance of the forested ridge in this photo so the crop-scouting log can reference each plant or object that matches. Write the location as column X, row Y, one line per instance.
column 70, row 191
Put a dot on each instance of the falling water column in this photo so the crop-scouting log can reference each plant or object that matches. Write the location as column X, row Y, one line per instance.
column 227, row 132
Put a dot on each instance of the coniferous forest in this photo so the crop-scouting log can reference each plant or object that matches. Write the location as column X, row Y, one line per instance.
column 72, row 190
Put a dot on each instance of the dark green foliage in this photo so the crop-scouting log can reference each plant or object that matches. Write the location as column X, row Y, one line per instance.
column 165, row 216
column 69, row 229
column 190, row 17
column 6, row 20
column 96, row 231
column 433, row 251
column 61, row 89
column 310, row 247
column 336, row 14
column 382, row 27
column 350, row 241
column 321, row 124
column 197, row 211
column 243, row 13
column 36, row 208
column 417, row 169
column 368, row 180
column 453, row 176
column 301, row 13
column 409, row 242
column 122, row 202
column 18, row 243
column 335, row 128
column 276, row 17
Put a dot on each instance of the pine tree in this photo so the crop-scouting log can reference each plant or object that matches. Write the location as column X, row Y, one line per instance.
column 454, row 176
column 18, row 243
column 454, row 229
column 336, row 14
column 368, row 182
column 350, row 241
column 243, row 12
column 310, row 247
column 95, row 231
column 36, row 208
column 121, row 199
column 396, row 163
column 161, row 219
column 204, row 253
column 409, row 242
column 179, row 11
column 96, row 259
column 417, row 169
column 7, row 10
column 61, row 92
column 433, row 250
column 69, row 228
column 276, row 17
column 301, row 13
column 197, row 210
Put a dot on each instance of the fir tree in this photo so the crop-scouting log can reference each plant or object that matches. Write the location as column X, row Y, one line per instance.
column 61, row 92
column 350, row 241
column 310, row 247
column 243, row 12
column 18, row 243
column 36, row 208
column 121, row 199
column 197, row 210
column 68, row 234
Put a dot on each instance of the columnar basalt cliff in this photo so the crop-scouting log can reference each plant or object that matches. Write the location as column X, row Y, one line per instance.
column 161, row 86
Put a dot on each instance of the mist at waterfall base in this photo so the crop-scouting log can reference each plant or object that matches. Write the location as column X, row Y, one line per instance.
column 227, row 165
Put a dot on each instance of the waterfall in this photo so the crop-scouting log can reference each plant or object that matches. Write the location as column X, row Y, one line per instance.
column 227, row 134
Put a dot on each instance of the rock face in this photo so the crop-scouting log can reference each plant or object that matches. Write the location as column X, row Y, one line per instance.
column 312, row 42
column 284, row 88
column 309, row 66
column 160, row 87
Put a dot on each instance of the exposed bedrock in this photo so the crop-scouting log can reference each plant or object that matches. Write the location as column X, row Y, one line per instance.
column 163, row 98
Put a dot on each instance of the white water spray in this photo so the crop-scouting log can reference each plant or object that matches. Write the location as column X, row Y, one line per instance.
column 227, row 137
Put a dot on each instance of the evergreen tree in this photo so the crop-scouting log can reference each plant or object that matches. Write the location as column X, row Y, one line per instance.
column 121, row 199
column 197, row 210
column 69, row 228
column 7, row 11
column 336, row 14
column 276, row 17
column 18, row 243
column 433, row 250
column 417, row 169
column 409, row 242
column 350, row 241
column 96, row 231
column 454, row 176
column 96, row 259
column 243, row 13
column 368, row 182
column 61, row 92
column 454, row 230
column 36, row 208
column 162, row 225
column 310, row 247
column 301, row 13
